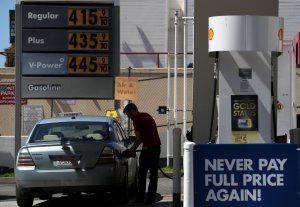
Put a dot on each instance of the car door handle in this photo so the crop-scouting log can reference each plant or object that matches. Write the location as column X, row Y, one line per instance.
column 65, row 148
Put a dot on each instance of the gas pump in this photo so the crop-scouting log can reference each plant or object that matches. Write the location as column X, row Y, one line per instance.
column 287, row 105
column 240, row 168
column 245, row 51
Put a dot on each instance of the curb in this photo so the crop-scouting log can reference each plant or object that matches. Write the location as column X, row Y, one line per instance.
column 7, row 180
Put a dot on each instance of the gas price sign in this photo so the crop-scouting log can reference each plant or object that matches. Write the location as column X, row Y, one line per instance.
column 61, row 16
column 88, row 64
column 67, row 37
column 88, row 40
column 68, row 49
column 88, row 17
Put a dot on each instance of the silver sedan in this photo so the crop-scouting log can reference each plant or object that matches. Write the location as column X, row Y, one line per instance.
column 73, row 155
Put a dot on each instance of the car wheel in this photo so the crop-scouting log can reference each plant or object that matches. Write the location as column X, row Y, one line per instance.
column 23, row 199
column 121, row 194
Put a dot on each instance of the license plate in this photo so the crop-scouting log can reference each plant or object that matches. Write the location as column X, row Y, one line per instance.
column 62, row 163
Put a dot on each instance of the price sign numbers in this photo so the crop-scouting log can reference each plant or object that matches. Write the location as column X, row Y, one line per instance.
column 88, row 40
column 88, row 17
column 88, row 65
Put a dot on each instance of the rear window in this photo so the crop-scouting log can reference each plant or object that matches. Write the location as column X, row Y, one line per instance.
column 70, row 131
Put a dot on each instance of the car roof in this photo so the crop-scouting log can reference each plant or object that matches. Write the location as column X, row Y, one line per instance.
column 77, row 119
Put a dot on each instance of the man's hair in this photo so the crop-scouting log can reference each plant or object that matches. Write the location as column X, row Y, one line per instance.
column 130, row 107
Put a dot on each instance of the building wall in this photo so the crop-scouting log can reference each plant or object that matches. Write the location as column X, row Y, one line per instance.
column 289, row 9
column 143, row 29
column 148, row 27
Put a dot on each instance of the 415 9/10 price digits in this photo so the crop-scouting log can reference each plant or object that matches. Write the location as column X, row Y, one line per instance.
column 88, row 64
column 88, row 17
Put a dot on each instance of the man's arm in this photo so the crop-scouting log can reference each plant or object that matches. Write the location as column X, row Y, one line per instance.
column 137, row 142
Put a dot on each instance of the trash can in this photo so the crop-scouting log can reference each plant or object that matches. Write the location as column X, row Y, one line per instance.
column 295, row 136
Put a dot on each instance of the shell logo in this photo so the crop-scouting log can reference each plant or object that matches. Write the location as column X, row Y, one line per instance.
column 280, row 34
column 210, row 34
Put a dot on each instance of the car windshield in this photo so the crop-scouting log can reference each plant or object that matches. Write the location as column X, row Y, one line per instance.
column 70, row 131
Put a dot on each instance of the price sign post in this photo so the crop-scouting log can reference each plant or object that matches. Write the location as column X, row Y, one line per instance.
column 66, row 49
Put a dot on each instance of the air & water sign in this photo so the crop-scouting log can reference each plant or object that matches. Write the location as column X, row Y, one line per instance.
column 246, row 175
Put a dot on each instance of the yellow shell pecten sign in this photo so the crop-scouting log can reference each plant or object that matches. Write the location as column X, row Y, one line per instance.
column 279, row 106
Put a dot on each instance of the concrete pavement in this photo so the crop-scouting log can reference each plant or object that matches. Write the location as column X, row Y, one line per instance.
column 164, row 195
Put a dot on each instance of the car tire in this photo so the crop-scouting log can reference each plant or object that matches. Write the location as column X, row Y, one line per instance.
column 122, row 193
column 23, row 199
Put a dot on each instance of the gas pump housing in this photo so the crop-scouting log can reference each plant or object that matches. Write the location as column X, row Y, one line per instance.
column 244, row 48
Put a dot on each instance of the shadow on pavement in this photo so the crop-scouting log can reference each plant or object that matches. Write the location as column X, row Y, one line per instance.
column 7, row 197
column 93, row 201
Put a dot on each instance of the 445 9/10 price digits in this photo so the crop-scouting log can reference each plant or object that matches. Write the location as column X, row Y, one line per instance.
column 88, row 64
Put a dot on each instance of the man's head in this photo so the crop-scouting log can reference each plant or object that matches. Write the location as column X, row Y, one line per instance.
column 130, row 110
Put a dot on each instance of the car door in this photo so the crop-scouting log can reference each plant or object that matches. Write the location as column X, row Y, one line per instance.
column 132, row 161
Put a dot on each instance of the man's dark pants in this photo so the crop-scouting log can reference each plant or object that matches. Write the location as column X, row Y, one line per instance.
column 149, row 160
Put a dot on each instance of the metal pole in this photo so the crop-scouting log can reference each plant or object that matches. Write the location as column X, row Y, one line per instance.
column 52, row 104
column 193, row 56
column 176, row 167
column 18, row 95
column 168, row 112
column 175, row 70
column 129, row 101
column 188, row 177
column 184, row 71
column 184, row 79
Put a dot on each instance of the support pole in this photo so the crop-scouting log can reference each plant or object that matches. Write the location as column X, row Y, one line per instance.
column 184, row 80
column 18, row 95
column 175, row 70
column 176, row 167
column 129, row 101
column 168, row 112
column 188, row 177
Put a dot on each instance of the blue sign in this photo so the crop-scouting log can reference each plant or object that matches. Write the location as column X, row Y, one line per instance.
column 246, row 175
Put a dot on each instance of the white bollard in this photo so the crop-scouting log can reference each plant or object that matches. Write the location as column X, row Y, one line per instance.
column 188, row 177
column 176, row 167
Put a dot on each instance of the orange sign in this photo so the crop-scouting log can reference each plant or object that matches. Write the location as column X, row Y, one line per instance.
column 126, row 88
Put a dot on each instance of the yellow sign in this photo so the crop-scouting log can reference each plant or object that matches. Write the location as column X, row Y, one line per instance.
column 126, row 88
column 112, row 113
column 245, row 137
column 279, row 106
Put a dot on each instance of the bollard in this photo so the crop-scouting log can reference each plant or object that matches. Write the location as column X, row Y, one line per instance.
column 188, row 177
column 176, row 167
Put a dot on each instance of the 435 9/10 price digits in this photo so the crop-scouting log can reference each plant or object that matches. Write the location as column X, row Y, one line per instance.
column 88, row 64
column 88, row 40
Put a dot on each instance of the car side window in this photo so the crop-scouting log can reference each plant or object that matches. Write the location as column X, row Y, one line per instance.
column 124, row 135
column 119, row 132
